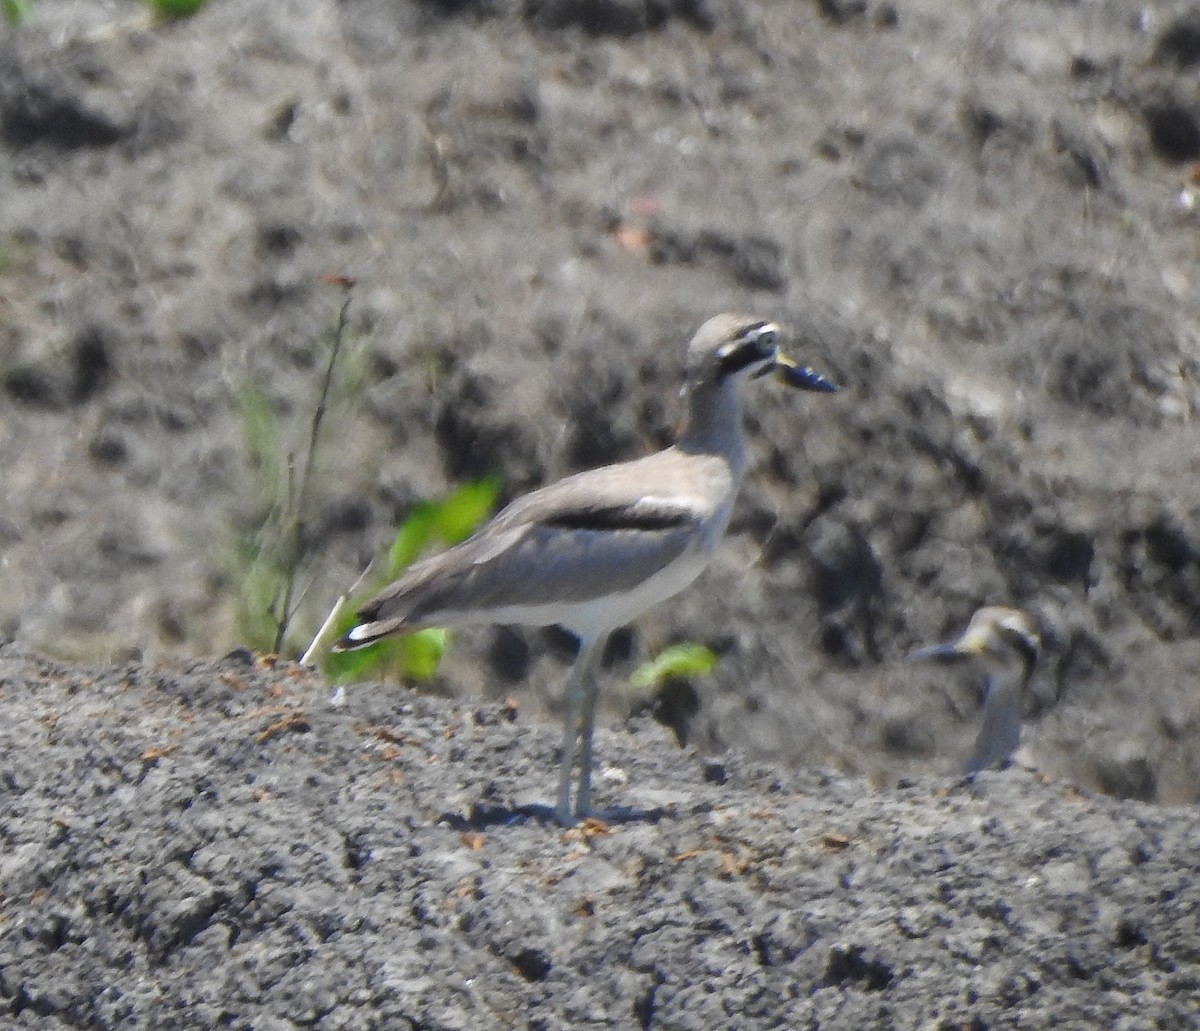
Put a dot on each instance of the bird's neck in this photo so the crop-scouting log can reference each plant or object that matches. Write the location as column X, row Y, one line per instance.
column 1012, row 674
column 714, row 423
column 1000, row 734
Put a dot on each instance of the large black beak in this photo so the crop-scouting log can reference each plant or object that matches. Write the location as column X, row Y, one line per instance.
column 948, row 652
column 800, row 376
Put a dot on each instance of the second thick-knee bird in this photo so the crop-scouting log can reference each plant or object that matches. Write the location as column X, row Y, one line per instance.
column 1006, row 642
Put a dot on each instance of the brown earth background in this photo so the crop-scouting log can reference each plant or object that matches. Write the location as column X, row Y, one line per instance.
column 981, row 219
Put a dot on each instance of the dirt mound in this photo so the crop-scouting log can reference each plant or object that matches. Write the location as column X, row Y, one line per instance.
column 218, row 846
column 980, row 220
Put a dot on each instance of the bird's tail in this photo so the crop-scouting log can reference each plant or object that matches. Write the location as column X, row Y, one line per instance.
column 366, row 634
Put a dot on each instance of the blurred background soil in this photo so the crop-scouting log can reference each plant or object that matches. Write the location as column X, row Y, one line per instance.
column 980, row 219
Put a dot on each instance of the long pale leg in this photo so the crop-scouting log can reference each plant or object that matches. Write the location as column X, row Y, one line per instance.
column 574, row 699
column 591, row 692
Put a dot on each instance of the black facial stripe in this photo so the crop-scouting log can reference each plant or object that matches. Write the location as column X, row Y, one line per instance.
column 1026, row 648
column 748, row 350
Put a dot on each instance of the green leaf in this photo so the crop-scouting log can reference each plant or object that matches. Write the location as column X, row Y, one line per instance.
column 679, row 660
column 416, row 533
column 451, row 520
column 460, row 514
column 423, row 652
column 16, row 12
column 364, row 664
column 171, row 9
column 414, row 657
column 417, row 655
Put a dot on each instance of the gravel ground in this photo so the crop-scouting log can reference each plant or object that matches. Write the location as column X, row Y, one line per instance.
column 218, row 846
column 980, row 219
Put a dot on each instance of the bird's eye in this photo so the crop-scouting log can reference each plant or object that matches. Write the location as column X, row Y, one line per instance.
column 753, row 346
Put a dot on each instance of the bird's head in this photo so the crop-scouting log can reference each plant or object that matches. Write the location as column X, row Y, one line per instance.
column 731, row 346
column 998, row 635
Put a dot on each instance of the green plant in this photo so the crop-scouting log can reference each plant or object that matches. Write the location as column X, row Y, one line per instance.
column 683, row 660
column 262, row 434
column 254, row 564
column 417, row 655
column 17, row 12
column 267, row 563
column 298, row 502
column 169, row 10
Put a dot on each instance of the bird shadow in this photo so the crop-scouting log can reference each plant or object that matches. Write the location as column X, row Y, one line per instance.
column 483, row 816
